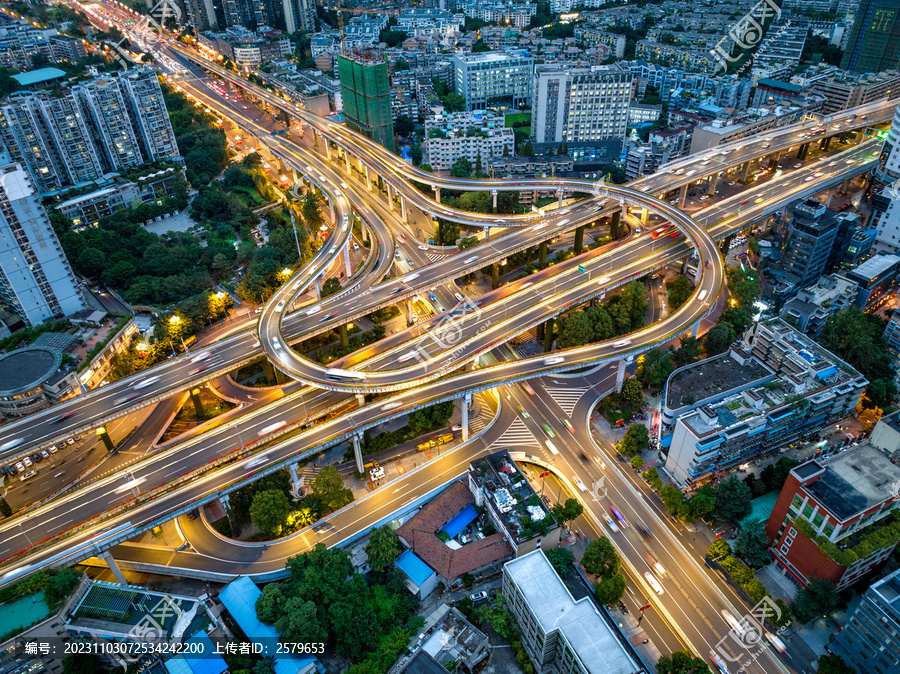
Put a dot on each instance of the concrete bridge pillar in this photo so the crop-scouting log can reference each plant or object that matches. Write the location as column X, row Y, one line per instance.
column 620, row 376
column 331, row 212
column 361, row 399
column 295, row 480
column 645, row 214
column 437, row 194
column 695, row 329
column 113, row 566
column 467, row 401
column 327, row 149
column 745, row 171
column 614, row 225
column 347, row 268
column 409, row 311
column 542, row 262
column 713, row 180
column 579, row 239
column 357, row 453
column 390, row 195
column 559, row 197
column 347, row 161
column 494, row 200
column 318, row 285
column 682, row 196
column 368, row 180
column 403, row 214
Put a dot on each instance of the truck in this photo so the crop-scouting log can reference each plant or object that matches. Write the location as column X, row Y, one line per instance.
column 436, row 441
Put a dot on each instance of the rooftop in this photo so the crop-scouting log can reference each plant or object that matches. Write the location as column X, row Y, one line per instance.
column 875, row 266
column 25, row 369
column 710, row 377
column 38, row 76
column 420, row 534
column 855, row 481
column 589, row 635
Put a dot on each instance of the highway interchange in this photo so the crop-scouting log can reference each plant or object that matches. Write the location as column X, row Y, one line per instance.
column 692, row 604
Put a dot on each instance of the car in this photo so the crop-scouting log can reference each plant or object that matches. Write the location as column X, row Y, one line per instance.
column 63, row 417
column 27, row 476
column 423, row 247
column 71, row 441
column 645, row 532
column 528, row 388
column 20, row 467
column 524, row 412
column 28, row 462
column 548, row 430
column 470, row 260
column 652, row 582
column 376, row 473
column 717, row 661
column 478, row 596
column 737, row 626
column 194, row 514
column 777, row 643
column 758, row 200
column 569, row 426
column 328, row 317
column 743, row 201
column 552, row 448
column 276, row 343
column 432, row 297
column 11, row 444
column 145, row 383
column 621, row 343
column 796, row 166
column 53, row 449
column 458, row 297
column 555, row 360
column 578, row 483
column 412, row 265
column 610, row 523
column 620, row 518
column 45, row 454
column 656, row 566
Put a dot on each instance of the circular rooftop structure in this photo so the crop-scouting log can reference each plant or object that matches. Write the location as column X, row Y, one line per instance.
column 24, row 370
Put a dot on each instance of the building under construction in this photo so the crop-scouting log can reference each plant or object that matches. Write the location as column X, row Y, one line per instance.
column 365, row 90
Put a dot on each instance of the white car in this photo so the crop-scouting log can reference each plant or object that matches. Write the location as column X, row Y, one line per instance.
column 376, row 473
column 611, row 524
column 652, row 582
column 27, row 476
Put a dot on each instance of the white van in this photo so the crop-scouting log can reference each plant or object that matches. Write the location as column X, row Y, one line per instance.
column 552, row 448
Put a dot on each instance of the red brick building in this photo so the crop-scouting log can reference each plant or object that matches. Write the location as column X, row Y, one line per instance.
column 835, row 500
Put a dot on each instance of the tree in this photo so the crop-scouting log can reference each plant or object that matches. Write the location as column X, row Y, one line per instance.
column 576, row 329
column 718, row 339
column 679, row 291
column 269, row 510
column 568, row 511
column 328, row 488
column 819, row 598
column 610, row 590
column 415, row 153
column 527, row 149
column 732, row 499
column 674, row 501
column 382, row 548
column 655, row 367
column 636, row 462
column 600, row 558
column 561, row 559
column 299, row 622
column 636, row 439
column 702, row 504
column 462, row 168
column 688, row 352
column 5, row 510
column 632, row 391
column 404, row 125
column 330, row 287
column 833, row 664
column 681, row 662
column 752, row 544
column 310, row 210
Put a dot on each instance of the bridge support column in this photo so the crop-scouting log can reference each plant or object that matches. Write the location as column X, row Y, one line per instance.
column 495, row 276
column 107, row 441
column 345, row 336
column 403, row 214
column 579, row 239
column 327, row 149
column 682, row 196
column 437, row 194
column 713, row 180
column 745, row 171
column 467, row 401
column 487, row 231
column 559, row 197
column 347, row 268
column 295, row 480
column 198, row 404
column 494, row 200
column 645, row 214
column 331, row 212
column 695, row 329
column 113, row 566
column 368, row 180
column 409, row 312
column 614, row 225
column 844, row 186
column 826, row 143
column 390, row 196
column 542, row 262
column 347, row 161
column 620, row 376
column 357, row 453
column 548, row 335
column 803, row 151
column 360, row 399
column 318, row 284
column 269, row 371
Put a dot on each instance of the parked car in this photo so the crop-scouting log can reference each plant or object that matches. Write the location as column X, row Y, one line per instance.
column 478, row 596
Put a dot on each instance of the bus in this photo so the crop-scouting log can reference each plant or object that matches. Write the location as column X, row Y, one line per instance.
column 336, row 374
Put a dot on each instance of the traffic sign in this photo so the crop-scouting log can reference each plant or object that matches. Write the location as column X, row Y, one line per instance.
column 644, row 607
column 582, row 269
column 546, row 473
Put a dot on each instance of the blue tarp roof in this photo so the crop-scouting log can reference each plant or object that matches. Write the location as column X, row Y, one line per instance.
column 239, row 597
column 461, row 521
column 205, row 662
column 666, row 440
column 38, row 76
column 410, row 564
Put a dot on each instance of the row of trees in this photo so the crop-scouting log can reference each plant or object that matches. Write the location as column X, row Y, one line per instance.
column 622, row 314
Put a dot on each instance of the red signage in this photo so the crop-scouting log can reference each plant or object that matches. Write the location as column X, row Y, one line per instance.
column 644, row 608
column 544, row 474
column 719, row 535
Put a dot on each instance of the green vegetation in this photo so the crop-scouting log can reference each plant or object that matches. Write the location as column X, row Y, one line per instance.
column 772, row 477
column 620, row 315
column 752, row 544
column 862, row 544
column 698, row 506
column 568, row 511
column 679, row 291
column 818, row 49
column 818, row 599
column 833, row 664
column 420, row 421
column 732, row 499
column 562, row 560
column 202, row 145
column 382, row 549
column 601, row 560
column 681, row 662
column 269, row 511
column 329, row 490
column 720, row 553
column 452, row 101
column 514, row 119
column 654, row 367
column 324, row 600
column 857, row 338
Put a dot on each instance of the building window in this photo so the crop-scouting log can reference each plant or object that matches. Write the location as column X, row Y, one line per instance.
column 792, row 532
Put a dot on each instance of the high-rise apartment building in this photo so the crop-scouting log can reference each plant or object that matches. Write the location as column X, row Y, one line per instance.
column 366, row 94
column 299, row 15
column 201, row 14
column 494, row 80
column 36, row 281
column 870, row 641
column 77, row 134
column 586, row 108
column 874, row 43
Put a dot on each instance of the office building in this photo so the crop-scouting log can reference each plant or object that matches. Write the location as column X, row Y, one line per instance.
column 559, row 633
column 829, row 519
column 875, row 278
column 75, row 135
column 446, row 641
column 777, row 387
column 870, row 639
column 892, row 340
column 585, row 108
column 809, row 231
column 36, row 281
column 846, row 90
column 494, row 80
column 810, row 309
column 366, row 97
column 874, row 42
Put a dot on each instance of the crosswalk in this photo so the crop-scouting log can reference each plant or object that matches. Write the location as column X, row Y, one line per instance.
column 434, row 257
column 567, row 398
column 477, row 424
column 516, row 436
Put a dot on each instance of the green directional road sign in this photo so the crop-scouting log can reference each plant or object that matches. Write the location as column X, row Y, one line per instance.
column 582, row 269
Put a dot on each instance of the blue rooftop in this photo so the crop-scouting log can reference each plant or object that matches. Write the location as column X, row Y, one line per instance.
column 38, row 76
column 207, row 661
column 461, row 521
column 417, row 570
column 239, row 597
